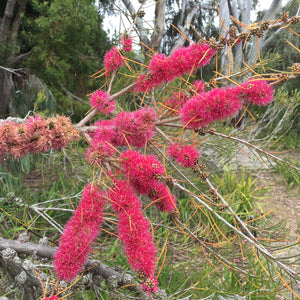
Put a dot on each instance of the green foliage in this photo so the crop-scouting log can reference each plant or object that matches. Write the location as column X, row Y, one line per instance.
column 33, row 95
column 67, row 43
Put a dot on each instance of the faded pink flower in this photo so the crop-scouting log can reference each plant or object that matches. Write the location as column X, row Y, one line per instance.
column 102, row 102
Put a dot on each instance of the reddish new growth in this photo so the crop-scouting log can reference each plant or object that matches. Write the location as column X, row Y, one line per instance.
column 112, row 61
column 258, row 92
column 134, row 230
column 181, row 61
column 126, row 42
column 142, row 170
column 35, row 135
column 102, row 102
column 208, row 107
column 79, row 233
column 187, row 156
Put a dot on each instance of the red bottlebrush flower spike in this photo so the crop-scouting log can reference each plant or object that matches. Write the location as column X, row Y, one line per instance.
column 206, row 108
column 134, row 128
column 160, row 69
column 112, row 61
column 187, row 155
column 105, row 131
column 102, row 103
column 134, row 228
column 79, row 233
column 163, row 198
column 258, row 92
column 142, row 170
column 126, row 42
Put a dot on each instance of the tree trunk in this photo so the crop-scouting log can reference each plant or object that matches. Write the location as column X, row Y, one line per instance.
column 6, row 82
column 159, row 25
column 9, row 29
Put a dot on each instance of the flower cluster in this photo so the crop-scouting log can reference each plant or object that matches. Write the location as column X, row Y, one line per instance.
column 187, row 156
column 127, row 128
column 35, row 135
column 181, row 61
column 79, row 233
column 102, row 103
column 112, row 61
column 143, row 172
column 134, row 230
column 126, row 42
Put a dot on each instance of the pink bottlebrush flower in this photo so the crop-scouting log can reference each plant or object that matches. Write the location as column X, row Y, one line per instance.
column 223, row 102
column 79, row 233
column 195, row 112
column 160, row 69
column 199, row 86
column 134, row 128
column 112, row 61
column 105, row 131
column 162, row 197
column 258, row 92
column 142, row 170
column 102, row 103
column 187, row 155
column 150, row 285
column 51, row 298
column 201, row 54
column 144, row 83
column 208, row 107
column 185, row 60
column 126, row 42
column 99, row 152
column 134, row 228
